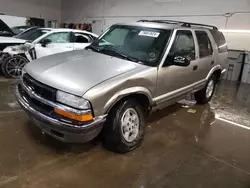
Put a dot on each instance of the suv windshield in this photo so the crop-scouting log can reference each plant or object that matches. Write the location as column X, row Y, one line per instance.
column 144, row 45
column 32, row 34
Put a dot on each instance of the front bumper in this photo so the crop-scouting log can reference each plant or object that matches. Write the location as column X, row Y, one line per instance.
column 63, row 131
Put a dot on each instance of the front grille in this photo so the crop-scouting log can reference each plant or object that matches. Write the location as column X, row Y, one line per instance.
column 41, row 107
column 40, row 89
column 45, row 92
column 45, row 109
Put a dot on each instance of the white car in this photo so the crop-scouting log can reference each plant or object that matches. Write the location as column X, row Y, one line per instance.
column 50, row 41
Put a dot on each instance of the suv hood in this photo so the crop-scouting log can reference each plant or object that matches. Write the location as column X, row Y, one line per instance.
column 11, row 40
column 78, row 71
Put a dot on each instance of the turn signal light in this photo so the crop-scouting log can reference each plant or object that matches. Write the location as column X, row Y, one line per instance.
column 82, row 118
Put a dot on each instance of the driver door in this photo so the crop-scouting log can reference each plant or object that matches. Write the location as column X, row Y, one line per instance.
column 59, row 42
column 174, row 81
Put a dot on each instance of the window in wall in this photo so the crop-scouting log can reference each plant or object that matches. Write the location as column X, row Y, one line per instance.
column 205, row 47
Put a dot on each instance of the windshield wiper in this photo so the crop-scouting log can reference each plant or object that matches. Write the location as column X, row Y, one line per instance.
column 93, row 48
column 119, row 54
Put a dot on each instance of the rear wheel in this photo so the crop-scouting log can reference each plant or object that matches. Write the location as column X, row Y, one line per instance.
column 125, row 127
column 12, row 66
column 205, row 95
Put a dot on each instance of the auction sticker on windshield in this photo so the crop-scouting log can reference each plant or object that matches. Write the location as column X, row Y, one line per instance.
column 149, row 34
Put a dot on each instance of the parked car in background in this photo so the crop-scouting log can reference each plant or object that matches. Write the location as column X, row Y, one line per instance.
column 26, row 36
column 29, row 29
column 19, row 29
column 42, row 42
column 128, row 72
column 17, row 39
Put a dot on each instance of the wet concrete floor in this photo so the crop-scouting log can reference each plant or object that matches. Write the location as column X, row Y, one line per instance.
column 208, row 148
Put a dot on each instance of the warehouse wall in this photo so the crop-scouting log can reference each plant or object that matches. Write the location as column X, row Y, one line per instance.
column 107, row 12
column 32, row 8
column 132, row 9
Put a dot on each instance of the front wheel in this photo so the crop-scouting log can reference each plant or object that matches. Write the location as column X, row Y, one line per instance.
column 125, row 127
column 205, row 95
column 12, row 66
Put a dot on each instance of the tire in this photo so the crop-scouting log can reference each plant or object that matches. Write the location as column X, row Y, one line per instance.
column 3, row 69
column 203, row 96
column 114, row 137
column 11, row 63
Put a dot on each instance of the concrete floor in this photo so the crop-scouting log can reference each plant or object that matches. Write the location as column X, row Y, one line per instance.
column 208, row 148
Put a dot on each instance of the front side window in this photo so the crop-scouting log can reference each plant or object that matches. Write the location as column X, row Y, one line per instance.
column 63, row 37
column 140, row 44
column 184, row 45
column 205, row 47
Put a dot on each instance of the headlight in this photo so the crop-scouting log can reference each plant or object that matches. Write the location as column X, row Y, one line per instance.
column 18, row 49
column 72, row 100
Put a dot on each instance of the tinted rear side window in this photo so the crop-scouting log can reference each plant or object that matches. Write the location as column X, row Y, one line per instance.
column 220, row 41
column 205, row 47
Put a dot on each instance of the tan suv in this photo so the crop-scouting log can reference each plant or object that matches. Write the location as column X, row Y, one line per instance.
column 124, row 75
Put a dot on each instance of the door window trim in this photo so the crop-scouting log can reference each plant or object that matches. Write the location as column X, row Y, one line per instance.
column 168, row 48
column 171, row 43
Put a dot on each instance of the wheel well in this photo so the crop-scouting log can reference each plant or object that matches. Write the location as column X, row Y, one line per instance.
column 23, row 55
column 217, row 73
column 141, row 98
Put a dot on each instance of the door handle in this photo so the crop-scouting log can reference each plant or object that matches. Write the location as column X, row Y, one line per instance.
column 69, row 47
column 212, row 62
column 195, row 67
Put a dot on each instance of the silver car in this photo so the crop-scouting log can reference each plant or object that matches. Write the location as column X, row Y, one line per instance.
column 130, row 71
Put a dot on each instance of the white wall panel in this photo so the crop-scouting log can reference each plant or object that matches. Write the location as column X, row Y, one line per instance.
column 239, row 21
column 238, row 41
column 210, row 12
column 219, row 21
column 190, row 7
column 152, row 8
column 201, row 11
column 32, row 8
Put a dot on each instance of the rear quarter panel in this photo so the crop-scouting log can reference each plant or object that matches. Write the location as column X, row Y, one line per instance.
column 221, row 58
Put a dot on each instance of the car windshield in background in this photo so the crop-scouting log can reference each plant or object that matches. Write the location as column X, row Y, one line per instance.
column 32, row 34
column 19, row 29
column 144, row 45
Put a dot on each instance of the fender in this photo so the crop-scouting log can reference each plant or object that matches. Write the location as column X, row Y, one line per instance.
column 215, row 68
column 126, row 92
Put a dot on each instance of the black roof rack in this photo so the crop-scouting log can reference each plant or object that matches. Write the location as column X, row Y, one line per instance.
column 184, row 24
